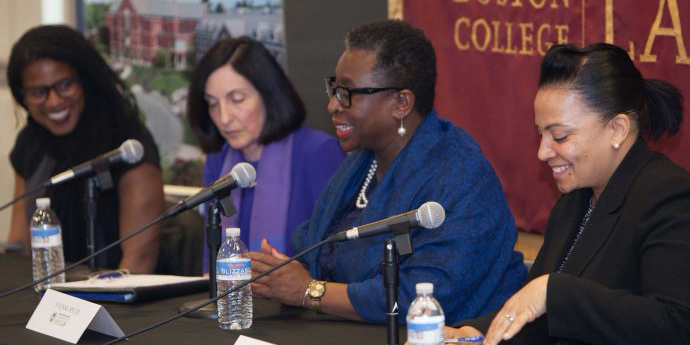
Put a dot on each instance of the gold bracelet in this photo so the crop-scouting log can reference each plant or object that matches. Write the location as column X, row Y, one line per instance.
column 306, row 294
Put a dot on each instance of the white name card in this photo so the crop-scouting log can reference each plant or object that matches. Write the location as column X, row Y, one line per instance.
column 65, row 317
column 244, row 340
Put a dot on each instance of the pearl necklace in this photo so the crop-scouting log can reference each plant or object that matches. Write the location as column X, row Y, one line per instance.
column 362, row 200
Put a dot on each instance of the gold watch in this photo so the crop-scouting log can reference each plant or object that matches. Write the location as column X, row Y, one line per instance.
column 316, row 290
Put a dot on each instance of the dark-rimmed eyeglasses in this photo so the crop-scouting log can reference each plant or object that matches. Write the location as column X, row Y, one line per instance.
column 65, row 88
column 344, row 94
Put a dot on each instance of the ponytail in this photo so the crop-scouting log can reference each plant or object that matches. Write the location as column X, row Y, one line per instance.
column 664, row 109
column 610, row 84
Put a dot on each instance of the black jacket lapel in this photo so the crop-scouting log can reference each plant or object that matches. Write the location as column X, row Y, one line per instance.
column 562, row 230
column 607, row 211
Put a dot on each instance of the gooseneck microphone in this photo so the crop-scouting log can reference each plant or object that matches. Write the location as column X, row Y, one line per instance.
column 429, row 216
column 130, row 152
column 242, row 175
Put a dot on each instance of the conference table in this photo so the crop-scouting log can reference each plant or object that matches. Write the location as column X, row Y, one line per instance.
column 273, row 322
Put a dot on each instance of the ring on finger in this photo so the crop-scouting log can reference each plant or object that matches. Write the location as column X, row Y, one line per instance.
column 510, row 318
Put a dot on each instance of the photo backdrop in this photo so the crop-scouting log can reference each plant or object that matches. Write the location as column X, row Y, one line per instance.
column 154, row 45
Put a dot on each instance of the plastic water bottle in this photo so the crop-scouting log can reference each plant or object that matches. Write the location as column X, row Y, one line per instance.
column 425, row 319
column 46, row 245
column 234, row 268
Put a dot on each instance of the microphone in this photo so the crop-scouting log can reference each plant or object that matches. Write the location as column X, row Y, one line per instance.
column 429, row 216
column 242, row 175
column 130, row 152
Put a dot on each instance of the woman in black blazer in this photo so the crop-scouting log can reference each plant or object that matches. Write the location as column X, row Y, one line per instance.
column 615, row 264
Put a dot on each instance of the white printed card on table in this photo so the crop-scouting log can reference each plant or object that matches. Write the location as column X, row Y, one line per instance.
column 244, row 340
column 65, row 317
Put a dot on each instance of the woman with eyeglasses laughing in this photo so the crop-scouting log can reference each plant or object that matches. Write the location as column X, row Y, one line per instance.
column 402, row 155
column 78, row 109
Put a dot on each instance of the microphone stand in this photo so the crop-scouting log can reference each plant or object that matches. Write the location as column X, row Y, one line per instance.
column 101, row 181
column 391, row 281
column 213, row 241
column 400, row 245
column 90, row 208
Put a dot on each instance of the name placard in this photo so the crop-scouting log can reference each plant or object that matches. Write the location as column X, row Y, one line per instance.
column 65, row 317
column 244, row 340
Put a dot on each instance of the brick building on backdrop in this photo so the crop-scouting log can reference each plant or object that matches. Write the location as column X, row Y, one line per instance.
column 146, row 31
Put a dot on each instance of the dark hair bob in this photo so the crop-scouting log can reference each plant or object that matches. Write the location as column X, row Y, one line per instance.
column 284, row 109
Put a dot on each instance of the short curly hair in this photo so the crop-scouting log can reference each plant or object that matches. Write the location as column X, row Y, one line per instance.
column 404, row 57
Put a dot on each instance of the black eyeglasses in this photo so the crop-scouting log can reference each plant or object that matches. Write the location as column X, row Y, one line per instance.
column 344, row 94
column 65, row 87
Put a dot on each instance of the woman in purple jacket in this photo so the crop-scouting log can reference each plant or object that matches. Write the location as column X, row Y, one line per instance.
column 243, row 108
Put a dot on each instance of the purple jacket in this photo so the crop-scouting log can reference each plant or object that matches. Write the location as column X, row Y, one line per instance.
column 315, row 157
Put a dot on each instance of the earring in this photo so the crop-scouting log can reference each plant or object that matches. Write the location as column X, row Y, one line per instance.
column 401, row 129
column 616, row 146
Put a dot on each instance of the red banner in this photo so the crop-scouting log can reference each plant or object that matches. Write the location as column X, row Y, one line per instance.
column 489, row 53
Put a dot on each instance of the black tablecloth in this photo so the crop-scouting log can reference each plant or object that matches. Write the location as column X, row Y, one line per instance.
column 272, row 322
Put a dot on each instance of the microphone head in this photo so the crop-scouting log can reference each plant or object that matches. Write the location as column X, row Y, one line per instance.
column 131, row 151
column 431, row 215
column 244, row 173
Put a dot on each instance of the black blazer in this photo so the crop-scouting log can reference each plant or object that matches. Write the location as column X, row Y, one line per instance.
column 627, row 280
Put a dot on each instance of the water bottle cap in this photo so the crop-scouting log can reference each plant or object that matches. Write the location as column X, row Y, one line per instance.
column 424, row 288
column 232, row 232
column 43, row 203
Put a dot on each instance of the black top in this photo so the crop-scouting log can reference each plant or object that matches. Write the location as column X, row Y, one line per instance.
column 38, row 155
column 627, row 280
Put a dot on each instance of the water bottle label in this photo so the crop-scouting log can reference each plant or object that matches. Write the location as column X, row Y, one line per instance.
column 234, row 269
column 425, row 330
column 45, row 237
